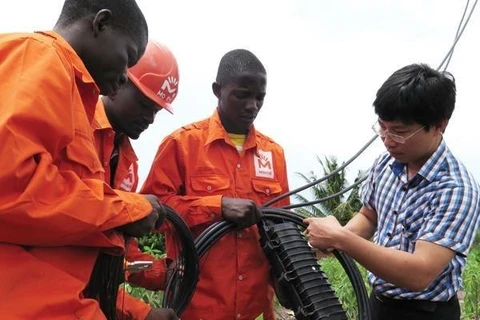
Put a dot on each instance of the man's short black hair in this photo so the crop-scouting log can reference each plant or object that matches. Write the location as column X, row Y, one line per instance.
column 238, row 61
column 416, row 94
column 125, row 15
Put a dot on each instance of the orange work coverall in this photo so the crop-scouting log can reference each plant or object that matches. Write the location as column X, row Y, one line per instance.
column 126, row 178
column 56, row 212
column 194, row 167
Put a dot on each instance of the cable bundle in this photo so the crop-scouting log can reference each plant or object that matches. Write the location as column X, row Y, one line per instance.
column 281, row 215
column 301, row 278
column 183, row 281
column 217, row 230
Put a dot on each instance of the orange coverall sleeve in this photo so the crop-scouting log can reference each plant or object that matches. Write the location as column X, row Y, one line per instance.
column 43, row 202
column 166, row 180
column 131, row 308
column 154, row 278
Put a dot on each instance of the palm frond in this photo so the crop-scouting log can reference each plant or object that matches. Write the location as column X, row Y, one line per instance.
column 343, row 206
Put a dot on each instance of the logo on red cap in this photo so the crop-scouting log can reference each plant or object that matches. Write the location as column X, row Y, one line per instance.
column 168, row 91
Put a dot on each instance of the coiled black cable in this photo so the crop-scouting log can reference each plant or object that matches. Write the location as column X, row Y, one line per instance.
column 298, row 279
column 184, row 278
column 218, row 229
column 348, row 264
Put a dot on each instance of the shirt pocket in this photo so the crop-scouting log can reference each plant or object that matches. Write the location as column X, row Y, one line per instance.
column 81, row 158
column 207, row 185
column 266, row 189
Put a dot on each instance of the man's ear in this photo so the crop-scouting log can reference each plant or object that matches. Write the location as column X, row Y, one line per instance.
column 441, row 126
column 216, row 88
column 102, row 19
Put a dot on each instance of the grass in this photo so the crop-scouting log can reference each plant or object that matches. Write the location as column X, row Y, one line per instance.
column 471, row 282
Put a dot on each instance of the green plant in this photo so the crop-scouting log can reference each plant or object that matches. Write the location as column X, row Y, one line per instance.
column 153, row 298
column 471, row 283
column 154, row 245
column 341, row 284
column 476, row 241
column 343, row 207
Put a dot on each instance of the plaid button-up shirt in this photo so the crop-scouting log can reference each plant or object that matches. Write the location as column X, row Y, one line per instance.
column 440, row 204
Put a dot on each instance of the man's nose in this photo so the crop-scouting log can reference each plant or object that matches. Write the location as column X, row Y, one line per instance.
column 150, row 117
column 388, row 141
column 252, row 105
column 123, row 78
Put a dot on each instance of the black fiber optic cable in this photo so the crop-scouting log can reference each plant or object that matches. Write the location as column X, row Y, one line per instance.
column 218, row 229
column 183, row 281
column 310, row 203
column 308, row 185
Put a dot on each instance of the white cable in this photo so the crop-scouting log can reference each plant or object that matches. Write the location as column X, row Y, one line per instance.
column 456, row 34
column 450, row 52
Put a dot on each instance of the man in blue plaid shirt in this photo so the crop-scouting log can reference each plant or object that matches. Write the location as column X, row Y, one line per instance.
column 421, row 205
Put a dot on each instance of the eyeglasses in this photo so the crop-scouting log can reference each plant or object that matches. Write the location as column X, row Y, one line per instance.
column 395, row 137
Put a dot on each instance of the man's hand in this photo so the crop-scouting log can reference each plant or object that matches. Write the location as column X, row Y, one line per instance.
column 242, row 212
column 321, row 254
column 322, row 232
column 145, row 225
column 161, row 314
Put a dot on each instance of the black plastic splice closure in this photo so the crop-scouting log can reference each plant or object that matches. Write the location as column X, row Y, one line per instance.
column 295, row 267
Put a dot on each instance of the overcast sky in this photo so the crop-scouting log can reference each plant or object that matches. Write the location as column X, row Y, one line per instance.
column 325, row 61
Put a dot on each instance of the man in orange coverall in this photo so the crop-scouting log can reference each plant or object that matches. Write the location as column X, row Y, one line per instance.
column 61, row 225
column 152, row 86
column 223, row 168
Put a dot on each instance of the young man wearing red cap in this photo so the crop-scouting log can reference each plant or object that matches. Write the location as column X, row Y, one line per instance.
column 152, row 86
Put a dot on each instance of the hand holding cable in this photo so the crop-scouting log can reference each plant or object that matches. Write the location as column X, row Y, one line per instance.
column 161, row 314
column 322, row 233
column 244, row 213
column 153, row 220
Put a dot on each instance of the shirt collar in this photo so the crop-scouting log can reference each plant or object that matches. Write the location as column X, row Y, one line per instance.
column 81, row 71
column 101, row 120
column 430, row 168
column 435, row 163
column 101, row 123
column 216, row 131
column 127, row 149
